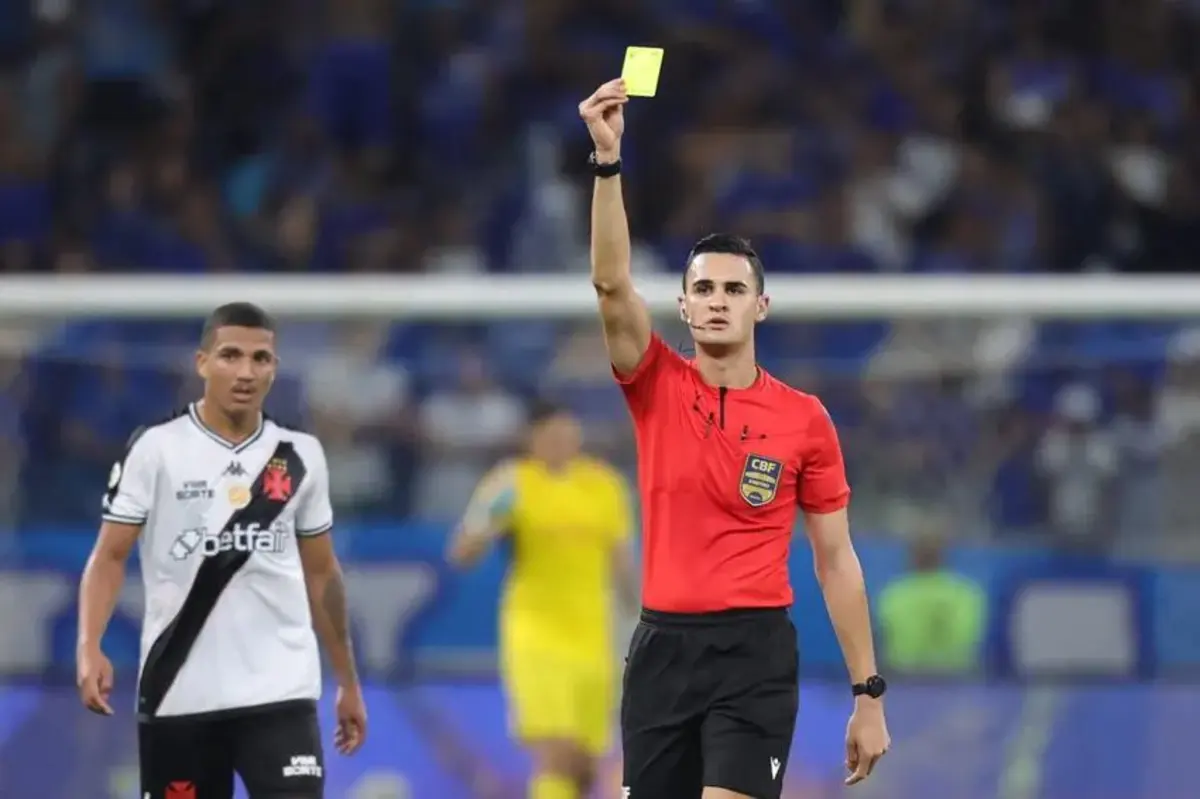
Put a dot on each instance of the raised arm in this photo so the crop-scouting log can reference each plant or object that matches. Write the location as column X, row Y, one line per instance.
column 626, row 319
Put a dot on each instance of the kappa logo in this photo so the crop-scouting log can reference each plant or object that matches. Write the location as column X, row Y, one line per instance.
column 760, row 478
column 775, row 766
column 234, row 469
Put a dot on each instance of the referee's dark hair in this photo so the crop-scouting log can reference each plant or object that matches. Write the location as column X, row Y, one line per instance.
column 235, row 314
column 728, row 244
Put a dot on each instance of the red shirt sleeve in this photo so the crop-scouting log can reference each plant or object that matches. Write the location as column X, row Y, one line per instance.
column 823, row 486
column 658, row 362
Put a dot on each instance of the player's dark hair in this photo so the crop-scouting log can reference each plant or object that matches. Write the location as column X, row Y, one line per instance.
column 926, row 553
column 544, row 410
column 728, row 244
column 235, row 314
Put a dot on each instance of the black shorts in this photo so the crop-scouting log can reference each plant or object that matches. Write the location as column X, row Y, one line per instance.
column 275, row 749
column 709, row 700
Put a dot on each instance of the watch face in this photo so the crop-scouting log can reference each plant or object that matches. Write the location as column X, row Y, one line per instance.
column 876, row 686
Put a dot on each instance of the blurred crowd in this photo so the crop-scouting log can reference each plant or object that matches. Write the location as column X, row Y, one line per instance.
column 440, row 136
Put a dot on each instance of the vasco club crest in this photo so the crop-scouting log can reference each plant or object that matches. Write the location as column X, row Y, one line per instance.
column 277, row 483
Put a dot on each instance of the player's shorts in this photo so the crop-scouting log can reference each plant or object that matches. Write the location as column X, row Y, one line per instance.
column 276, row 750
column 555, row 694
column 709, row 700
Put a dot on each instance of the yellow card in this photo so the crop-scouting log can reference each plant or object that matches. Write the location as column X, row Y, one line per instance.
column 642, row 65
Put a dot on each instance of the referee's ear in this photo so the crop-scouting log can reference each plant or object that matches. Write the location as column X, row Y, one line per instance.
column 764, row 304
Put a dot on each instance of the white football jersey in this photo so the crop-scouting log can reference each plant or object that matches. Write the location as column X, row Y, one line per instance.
column 227, row 622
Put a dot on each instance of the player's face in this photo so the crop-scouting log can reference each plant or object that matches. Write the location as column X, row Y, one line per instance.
column 556, row 440
column 722, row 303
column 238, row 367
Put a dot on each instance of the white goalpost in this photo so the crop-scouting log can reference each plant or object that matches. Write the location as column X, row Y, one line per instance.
column 570, row 296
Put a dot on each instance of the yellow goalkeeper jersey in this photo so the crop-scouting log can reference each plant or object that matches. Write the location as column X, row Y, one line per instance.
column 563, row 528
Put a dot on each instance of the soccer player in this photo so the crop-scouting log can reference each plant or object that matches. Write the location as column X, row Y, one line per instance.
column 567, row 519
column 232, row 519
column 726, row 456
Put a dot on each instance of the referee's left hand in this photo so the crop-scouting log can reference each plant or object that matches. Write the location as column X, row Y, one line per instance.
column 351, row 720
column 867, row 739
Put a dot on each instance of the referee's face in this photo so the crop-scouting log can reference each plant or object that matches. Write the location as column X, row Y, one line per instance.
column 722, row 303
column 238, row 368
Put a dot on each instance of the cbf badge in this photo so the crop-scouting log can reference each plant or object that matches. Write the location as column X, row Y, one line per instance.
column 760, row 480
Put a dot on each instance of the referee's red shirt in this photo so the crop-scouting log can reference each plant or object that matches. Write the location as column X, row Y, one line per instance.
column 722, row 473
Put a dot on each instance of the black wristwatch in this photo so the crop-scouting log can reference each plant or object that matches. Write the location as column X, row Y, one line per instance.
column 874, row 687
column 604, row 170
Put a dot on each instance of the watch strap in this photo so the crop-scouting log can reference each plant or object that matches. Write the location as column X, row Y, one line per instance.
column 609, row 170
column 874, row 687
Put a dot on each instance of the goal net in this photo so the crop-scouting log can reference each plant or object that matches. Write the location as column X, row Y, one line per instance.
column 1001, row 407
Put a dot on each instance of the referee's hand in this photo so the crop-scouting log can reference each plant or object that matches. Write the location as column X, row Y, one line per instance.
column 94, row 678
column 604, row 118
column 867, row 739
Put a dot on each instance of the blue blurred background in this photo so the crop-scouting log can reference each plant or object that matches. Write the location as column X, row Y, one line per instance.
column 1053, row 461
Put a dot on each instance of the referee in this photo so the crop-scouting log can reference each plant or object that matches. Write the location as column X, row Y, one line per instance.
column 727, row 455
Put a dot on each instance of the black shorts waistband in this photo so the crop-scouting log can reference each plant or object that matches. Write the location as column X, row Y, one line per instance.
column 716, row 618
column 284, row 706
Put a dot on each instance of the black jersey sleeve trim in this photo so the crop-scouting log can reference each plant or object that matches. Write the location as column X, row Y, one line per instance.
column 316, row 531
column 112, row 517
column 174, row 645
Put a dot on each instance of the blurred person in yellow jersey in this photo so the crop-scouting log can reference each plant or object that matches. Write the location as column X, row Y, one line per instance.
column 566, row 519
